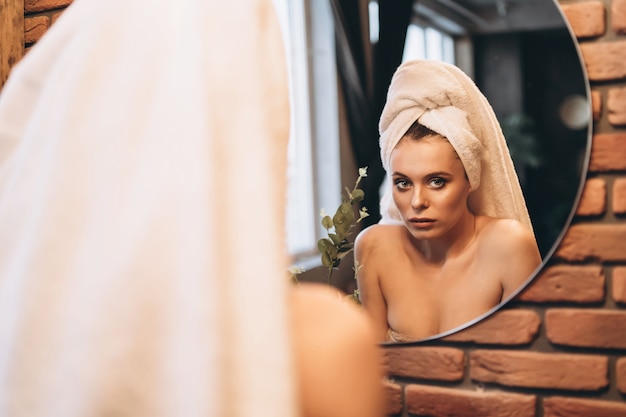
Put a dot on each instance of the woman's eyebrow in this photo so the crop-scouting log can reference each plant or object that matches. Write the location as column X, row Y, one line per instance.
column 429, row 174
column 439, row 174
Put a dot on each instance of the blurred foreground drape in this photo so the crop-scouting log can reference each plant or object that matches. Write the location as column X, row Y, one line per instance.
column 142, row 188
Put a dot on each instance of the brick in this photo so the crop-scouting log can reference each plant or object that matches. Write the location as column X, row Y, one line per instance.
column 505, row 327
column 430, row 401
column 620, row 375
column 32, row 6
column 425, row 362
column 618, row 16
column 540, row 370
column 601, row 242
column 587, row 18
column 619, row 284
column 567, row 283
column 593, row 198
column 596, row 105
column 11, row 37
column 619, row 196
column 597, row 328
column 35, row 27
column 605, row 60
column 576, row 407
column 608, row 152
column 393, row 393
column 616, row 106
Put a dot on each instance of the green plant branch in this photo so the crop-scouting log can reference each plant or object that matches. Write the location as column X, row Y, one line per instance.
column 339, row 228
column 337, row 245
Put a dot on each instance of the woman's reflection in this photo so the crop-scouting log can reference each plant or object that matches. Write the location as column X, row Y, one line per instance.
column 455, row 239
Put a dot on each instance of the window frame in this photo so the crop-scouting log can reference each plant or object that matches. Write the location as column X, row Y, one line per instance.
column 315, row 135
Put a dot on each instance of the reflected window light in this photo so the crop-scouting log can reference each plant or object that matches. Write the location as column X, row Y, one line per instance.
column 414, row 46
column 300, row 190
column 373, row 21
column 428, row 43
column 313, row 171
column 434, row 45
column 448, row 49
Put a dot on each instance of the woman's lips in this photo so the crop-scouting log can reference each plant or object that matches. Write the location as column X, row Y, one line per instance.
column 422, row 222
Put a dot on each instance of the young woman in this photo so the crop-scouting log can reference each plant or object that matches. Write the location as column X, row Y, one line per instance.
column 455, row 239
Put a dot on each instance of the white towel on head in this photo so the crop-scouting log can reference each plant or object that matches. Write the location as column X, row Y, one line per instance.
column 444, row 99
column 143, row 154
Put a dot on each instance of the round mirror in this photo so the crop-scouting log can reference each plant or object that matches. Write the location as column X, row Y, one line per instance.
column 524, row 58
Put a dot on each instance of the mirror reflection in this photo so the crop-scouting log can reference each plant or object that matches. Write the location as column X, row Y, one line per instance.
column 455, row 238
column 523, row 59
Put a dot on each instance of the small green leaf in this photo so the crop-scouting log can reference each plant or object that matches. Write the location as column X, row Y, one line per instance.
column 323, row 245
column 326, row 261
column 326, row 245
column 357, row 196
column 336, row 239
column 343, row 219
column 327, row 222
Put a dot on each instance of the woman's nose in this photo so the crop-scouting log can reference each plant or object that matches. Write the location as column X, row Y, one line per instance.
column 419, row 200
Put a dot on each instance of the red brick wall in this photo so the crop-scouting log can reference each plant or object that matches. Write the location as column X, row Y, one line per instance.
column 39, row 15
column 560, row 349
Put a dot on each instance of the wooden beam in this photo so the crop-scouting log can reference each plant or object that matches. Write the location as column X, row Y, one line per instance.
column 11, row 36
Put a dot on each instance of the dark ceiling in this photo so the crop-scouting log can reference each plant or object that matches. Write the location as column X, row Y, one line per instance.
column 490, row 16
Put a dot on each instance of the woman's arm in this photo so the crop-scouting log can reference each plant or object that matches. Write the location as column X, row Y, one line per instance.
column 368, row 281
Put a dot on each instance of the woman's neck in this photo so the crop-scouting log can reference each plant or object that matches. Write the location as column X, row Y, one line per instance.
column 452, row 244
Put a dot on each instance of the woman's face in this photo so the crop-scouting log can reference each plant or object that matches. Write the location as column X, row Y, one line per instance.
column 430, row 187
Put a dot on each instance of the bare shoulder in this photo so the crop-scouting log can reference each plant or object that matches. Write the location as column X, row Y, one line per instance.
column 326, row 324
column 338, row 361
column 513, row 250
column 377, row 234
column 506, row 235
column 323, row 305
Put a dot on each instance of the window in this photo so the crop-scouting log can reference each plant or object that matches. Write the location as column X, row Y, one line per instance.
column 423, row 40
column 314, row 159
column 428, row 43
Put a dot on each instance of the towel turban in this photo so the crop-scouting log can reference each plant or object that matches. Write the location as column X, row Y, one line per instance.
column 444, row 99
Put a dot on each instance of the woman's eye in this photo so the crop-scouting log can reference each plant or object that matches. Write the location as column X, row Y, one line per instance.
column 437, row 182
column 401, row 183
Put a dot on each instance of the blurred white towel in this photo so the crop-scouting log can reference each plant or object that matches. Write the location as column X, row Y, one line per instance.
column 142, row 178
